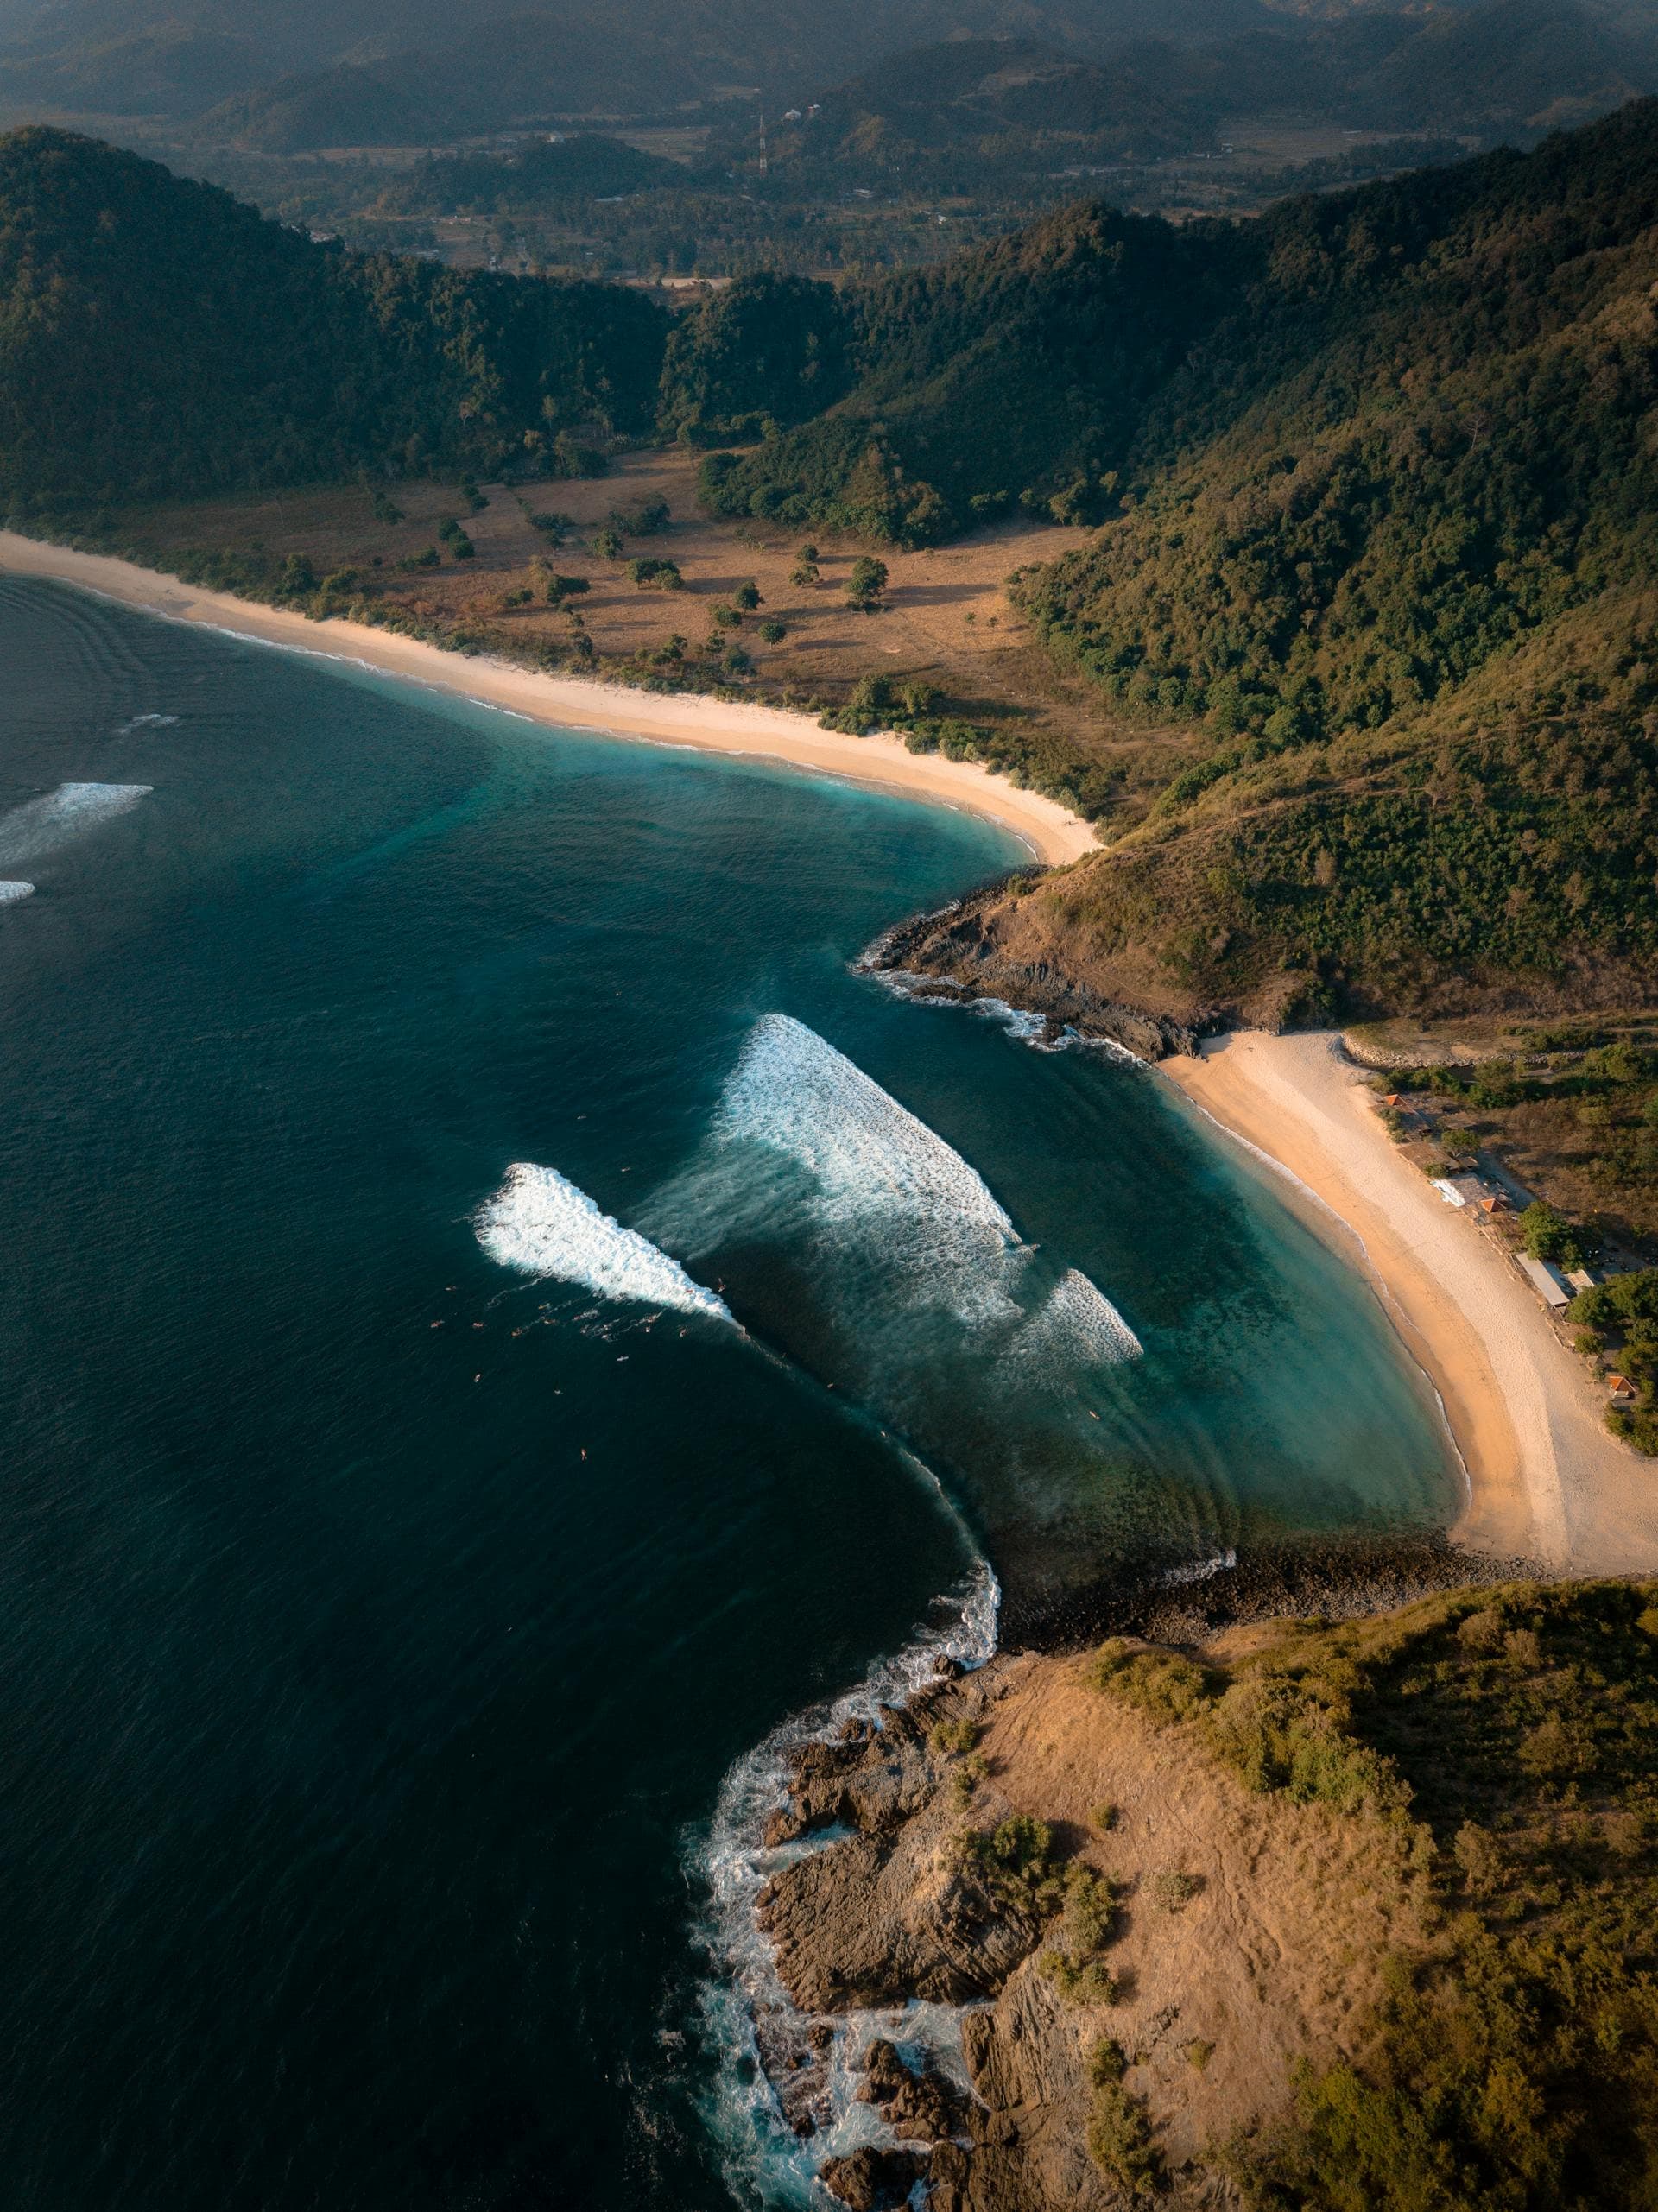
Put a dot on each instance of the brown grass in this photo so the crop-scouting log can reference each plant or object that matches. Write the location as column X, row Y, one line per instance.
column 1278, row 1955
column 948, row 620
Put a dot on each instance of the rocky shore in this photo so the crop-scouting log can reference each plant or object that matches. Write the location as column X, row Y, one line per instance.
column 1097, row 1904
column 960, row 950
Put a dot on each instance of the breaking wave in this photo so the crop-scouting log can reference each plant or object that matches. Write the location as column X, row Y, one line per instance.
column 44, row 824
column 540, row 1223
column 11, row 892
column 1077, row 1321
column 883, row 1182
column 793, row 1092
column 747, row 2018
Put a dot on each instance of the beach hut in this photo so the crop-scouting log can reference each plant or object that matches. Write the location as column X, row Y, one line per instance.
column 1548, row 1281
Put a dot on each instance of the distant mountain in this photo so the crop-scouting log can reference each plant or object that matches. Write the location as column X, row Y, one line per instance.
column 370, row 69
column 1527, row 62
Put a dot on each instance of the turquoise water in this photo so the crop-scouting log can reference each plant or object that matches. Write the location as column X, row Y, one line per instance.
column 386, row 1588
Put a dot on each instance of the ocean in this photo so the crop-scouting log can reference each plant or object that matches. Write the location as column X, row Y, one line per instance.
column 499, row 1314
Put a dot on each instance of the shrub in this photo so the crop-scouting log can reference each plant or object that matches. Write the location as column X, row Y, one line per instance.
column 1174, row 1890
column 1119, row 2130
column 607, row 543
column 1162, row 1684
column 646, row 519
column 1104, row 1816
column 867, row 583
column 773, row 633
column 746, row 596
column 953, row 1738
column 430, row 558
column 1549, row 1235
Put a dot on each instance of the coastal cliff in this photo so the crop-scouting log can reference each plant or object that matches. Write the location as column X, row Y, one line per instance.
column 1203, row 1914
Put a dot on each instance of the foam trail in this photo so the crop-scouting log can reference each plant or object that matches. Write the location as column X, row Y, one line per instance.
column 540, row 1223
column 920, row 1209
column 45, row 823
column 11, row 892
column 874, row 1168
column 1078, row 1321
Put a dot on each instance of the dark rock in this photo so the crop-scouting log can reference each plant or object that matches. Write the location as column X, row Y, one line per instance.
column 794, row 2058
column 922, row 2108
column 871, row 2180
column 957, row 952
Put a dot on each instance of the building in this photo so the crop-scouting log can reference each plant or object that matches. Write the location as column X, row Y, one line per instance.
column 1548, row 1281
column 1620, row 1391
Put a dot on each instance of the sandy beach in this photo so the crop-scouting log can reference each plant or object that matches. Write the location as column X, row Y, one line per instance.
column 1545, row 1480
column 1048, row 830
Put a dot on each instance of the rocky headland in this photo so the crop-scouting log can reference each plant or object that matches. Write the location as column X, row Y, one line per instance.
column 1140, row 1947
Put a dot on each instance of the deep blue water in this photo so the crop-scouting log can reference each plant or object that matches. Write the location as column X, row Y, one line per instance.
column 365, row 1685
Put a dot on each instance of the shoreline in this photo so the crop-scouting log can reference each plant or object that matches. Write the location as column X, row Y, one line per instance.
column 1050, row 833
column 1546, row 1479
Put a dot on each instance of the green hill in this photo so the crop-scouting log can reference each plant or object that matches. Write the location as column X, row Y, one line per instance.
column 157, row 336
column 1381, row 480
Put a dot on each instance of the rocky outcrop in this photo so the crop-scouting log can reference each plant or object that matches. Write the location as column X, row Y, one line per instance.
column 1205, row 1998
column 888, row 1912
column 963, row 949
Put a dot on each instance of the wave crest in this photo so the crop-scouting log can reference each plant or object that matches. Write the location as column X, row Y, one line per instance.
column 542, row 1224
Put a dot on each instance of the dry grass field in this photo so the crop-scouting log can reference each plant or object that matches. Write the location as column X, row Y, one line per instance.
column 946, row 620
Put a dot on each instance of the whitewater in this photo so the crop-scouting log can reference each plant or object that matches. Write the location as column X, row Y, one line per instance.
column 539, row 1223
column 42, row 825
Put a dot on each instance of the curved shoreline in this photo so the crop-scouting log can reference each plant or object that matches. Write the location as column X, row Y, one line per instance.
column 1546, row 1479
column 1048, row 830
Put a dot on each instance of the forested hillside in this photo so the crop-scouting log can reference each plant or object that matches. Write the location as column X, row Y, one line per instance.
column 155, row 335
column 1381, row 477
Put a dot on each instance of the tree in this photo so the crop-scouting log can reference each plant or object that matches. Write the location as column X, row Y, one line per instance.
column 746, row 596
column 867, row 582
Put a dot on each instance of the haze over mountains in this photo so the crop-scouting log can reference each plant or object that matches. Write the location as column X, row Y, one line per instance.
column 1136, row 74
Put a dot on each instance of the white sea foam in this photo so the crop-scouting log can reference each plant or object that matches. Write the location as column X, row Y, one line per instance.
column 11, row 892
column 883, row 1181
column 765, row 2161
column 1199, row 1570
column 146, row 722
column 539, row 1223
column 44, row 824
column 1079, row 1322
column 793, row 1092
